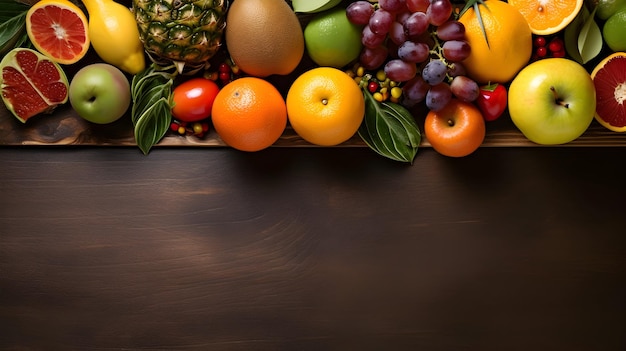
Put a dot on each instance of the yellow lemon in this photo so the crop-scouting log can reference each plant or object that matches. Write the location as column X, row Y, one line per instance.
column 114, row 35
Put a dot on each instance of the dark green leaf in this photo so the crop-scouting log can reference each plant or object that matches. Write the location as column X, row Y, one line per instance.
column 152, row 125
column 13, row 32
column 151, row 92
column 389, row 129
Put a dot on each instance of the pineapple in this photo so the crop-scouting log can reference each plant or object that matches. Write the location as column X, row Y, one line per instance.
column 186, row 32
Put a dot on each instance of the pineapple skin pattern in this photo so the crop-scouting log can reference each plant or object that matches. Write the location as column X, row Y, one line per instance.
column 183, row 31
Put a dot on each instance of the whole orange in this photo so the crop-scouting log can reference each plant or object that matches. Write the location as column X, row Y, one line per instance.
column 457, row 130
column 249, row 114
column 505, row 50
column 324, row 106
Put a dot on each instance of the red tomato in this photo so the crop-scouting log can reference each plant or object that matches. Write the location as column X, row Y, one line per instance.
column 492, row 101
column 193, row 99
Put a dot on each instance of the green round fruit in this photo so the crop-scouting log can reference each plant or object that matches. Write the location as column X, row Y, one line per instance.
column 613, row 31
column 606, row 8
column 331, row 39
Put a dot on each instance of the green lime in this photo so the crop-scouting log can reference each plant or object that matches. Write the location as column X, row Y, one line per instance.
column 614, row 29
column 331, row 39
column 608, row 7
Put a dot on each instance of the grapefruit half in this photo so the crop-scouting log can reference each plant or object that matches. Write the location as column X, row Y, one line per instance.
column 31, row 83
column 609, row 78
column 58, row 29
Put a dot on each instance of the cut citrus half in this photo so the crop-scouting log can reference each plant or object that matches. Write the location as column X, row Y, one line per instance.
column 547, row 17
column 31, row 83
column 609, row 78
column 58, row 29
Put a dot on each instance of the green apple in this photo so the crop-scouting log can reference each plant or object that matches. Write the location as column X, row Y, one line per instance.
column 100, row 93
column 313, row 6
column 552, row 101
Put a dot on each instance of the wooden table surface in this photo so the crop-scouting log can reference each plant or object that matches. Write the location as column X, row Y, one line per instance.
column 103, row 248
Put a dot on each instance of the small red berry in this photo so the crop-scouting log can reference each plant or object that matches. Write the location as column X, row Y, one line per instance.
column 224, row 76
column 540, row 41
column 174, row 126
column 556, row 45
column 541, row 52
column 560, row 53
column 223, row 68
column 372, row 87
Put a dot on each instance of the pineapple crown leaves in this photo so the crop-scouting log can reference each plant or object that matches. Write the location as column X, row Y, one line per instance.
column 475, row 4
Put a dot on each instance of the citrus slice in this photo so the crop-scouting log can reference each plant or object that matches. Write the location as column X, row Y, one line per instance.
column 31, row 83
column 547, row 17
column 609, row 78
column 58, row 29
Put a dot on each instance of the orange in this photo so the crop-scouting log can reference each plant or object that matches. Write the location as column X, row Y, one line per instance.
column 457, row 130
column 609, row 78
column 249, row 114
column 325, row 106
column 509, row 44
column 58, row 29
column 547, row 17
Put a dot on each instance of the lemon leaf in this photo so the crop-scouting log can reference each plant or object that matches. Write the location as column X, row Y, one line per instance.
column 389, row 129
column 476, row 5
column 590, row 39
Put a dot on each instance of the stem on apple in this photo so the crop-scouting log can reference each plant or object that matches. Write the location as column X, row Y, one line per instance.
column 557, row 99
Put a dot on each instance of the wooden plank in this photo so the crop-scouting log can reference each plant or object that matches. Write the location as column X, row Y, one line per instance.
column 64, row 127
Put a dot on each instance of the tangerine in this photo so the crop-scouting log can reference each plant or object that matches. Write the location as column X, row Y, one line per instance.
column 547, row 17
column 505, row 47
column 457, row 130
column 325, row 106
column 249, row 114
column 58, row 29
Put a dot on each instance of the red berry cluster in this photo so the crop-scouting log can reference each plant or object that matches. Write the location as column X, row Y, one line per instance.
column 226, row 72
column 544, row 47
column 198, row 129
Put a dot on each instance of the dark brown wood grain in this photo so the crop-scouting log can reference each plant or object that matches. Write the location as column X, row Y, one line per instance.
column 311, row 249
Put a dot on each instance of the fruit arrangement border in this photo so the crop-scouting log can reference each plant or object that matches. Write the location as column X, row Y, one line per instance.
column 65, row 128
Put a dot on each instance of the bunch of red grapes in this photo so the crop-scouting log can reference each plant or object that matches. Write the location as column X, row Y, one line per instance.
column 418, row 43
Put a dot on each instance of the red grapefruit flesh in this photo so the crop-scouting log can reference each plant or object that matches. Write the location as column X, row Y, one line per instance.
column 609, row 78
column 58, row 29
column 31, row 83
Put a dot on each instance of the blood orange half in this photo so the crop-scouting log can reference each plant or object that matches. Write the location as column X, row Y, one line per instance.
column 58, row 29
column 609, row 78
column 31, row 83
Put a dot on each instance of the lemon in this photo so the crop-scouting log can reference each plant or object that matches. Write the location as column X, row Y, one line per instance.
column 114, row 35
column 613, row 31
column 331, row 40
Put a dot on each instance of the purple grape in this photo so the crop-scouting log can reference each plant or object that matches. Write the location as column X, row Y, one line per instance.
column 370, row 39
column 417, row 5
column 396, row 33
column 456, row 69
column 416, row 24
column 359, row 12
column 413, row 52
column 438, row 96
column 373, row 58
column 400, row 71
column 392, row 5
column 434, row 72
column 381, row 21
column 439, row 12
column 456, row 50
column 415, row 89
column 464, row 88
column 402, row 16
column 451, row 30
